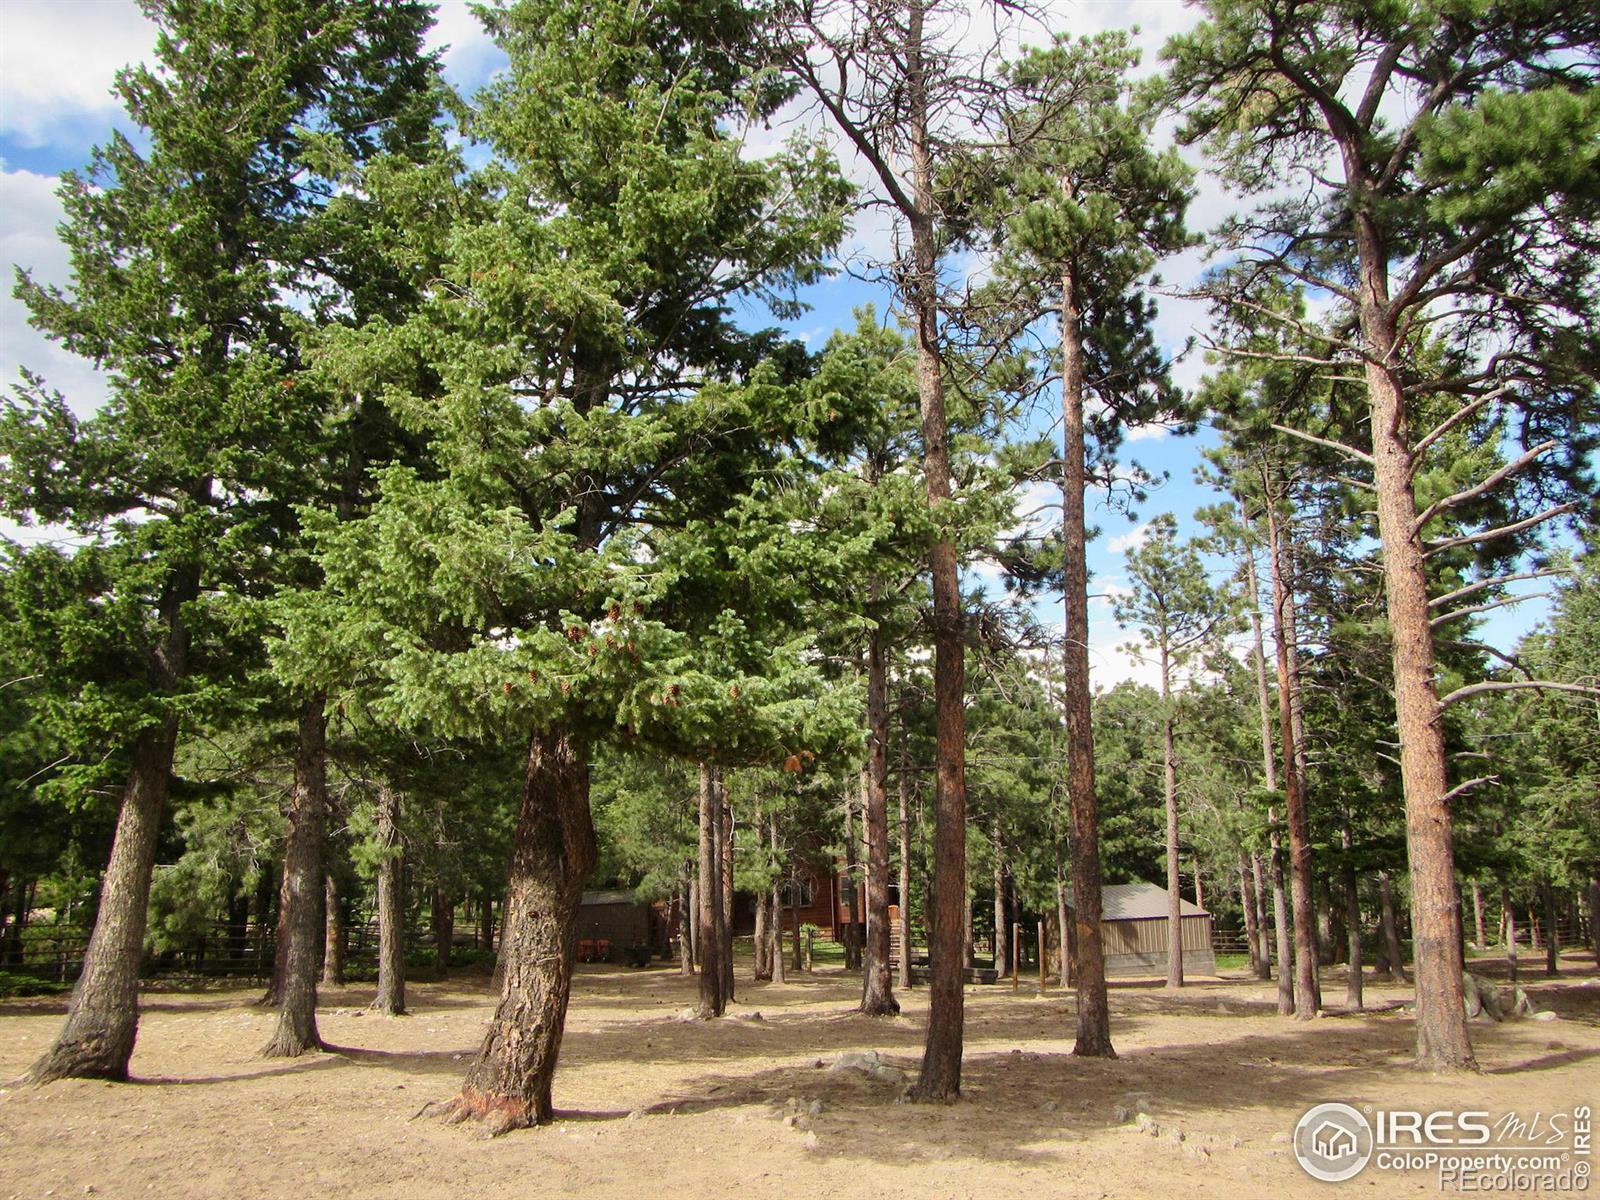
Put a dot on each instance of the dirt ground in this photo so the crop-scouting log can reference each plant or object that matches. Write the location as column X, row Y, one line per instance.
column 652, row 1105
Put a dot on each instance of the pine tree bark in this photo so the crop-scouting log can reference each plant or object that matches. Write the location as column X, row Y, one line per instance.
column 1391, row 929
column 1443, row 1042
column 1478, row 942
column 1001, row 928
column 709, row 939
column 1509, row 914
column 553, row 851
column 725, row 908
column 877, row 987
column 779, row 975
column 103, row 1015
column 442, row 917
column 940, row 1077
column 846, row 935
column 1306, row 997
column 1269, row 770
column 1169, row 772
column 1085, row 947
column 685, row 923
column 1552, row 940
column 905, row 878
column 303, row 889
column 1352, row 921
column 333, row 932
column 1247, row 902
column 391, row 997
column 1594, row 916
column 762, row 948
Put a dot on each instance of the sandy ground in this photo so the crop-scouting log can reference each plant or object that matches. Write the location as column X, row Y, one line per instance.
column 655, row 1106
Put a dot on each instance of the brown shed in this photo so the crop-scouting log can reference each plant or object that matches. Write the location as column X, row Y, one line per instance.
column 1133, row 929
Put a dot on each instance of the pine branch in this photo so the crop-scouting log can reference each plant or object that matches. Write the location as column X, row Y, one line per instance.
column 1490, row 535
column 1472, row 493
column 1516, row 685
column 1457, row 614
column 1462, row 593
column 1350, row 451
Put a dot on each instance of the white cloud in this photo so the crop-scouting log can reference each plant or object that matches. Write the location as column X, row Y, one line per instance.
column 29, row 213
column 59, row 60
column 1132, row 540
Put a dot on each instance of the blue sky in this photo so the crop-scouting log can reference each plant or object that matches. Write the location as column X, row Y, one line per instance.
column 57, row 62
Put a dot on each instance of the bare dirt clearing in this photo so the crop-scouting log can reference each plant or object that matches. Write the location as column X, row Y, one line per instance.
column 652, row 1105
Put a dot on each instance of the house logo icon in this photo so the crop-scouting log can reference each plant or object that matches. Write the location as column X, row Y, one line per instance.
column 1332, row 1142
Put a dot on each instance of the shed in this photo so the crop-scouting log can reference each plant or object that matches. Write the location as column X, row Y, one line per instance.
column 619, row 918
column 1133, row 930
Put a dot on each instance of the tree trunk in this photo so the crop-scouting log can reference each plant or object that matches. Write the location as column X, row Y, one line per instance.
column 1443, row 1042
column 725, row 878
column 696, row 943
column 303, row 888
column 1263, row 927
column 1084, row 946
column 1169, row 765
column 1281, row 923
column 763, row 964
column 1247, row 902
column 1391, row 929
column 940, row 1076
column 1306, row 997
column 779, row 975
column 443, row 920
column 1594, row 917
column 391, row 997
column 486, row 917
column 1352, row 922
column 553, row 850
column 333, row 932
column 905, row 880
column 1552, row 938
column 1478, row 942
column 103, row 1016
column 1269, row 772
column 1001, row 954
column 877, row 987
column 1327, row 924
column 1063, row 940
column 846, row 933
column 709, row 940
column 685, row 920
column 1510, row 916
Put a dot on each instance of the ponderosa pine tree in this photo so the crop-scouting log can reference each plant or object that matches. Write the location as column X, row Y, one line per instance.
column 1086, row 208
column 184, row 258
column 1178, row 613
column 594, row 412
column 1454, row 196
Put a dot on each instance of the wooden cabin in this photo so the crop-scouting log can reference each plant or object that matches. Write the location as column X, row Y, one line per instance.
column 1134, row 931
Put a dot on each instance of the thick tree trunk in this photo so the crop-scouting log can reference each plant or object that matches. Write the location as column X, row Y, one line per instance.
column 1306, row 991
column 725, row 878
column 905, row 880
column 391, row 997
column 1263, row 925
column 709, row 940
column 1392, row 951
column 333, row 932
column 696, row 943
column 103, row 1016
column 877, row 987
column 553, row 850
column 303, row 888
column 1085, row 948
column 779, row 975
column 486, row 919
column 1443, row 1042
column 1327, row 924
column 1352, row 922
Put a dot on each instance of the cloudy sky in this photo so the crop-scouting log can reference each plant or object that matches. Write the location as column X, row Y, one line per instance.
column 57, row 62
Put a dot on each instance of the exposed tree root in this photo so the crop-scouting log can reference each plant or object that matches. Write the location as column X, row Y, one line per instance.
column 889, row 1007
column 76, row 1060
column 285, row 1045
column 498, row 1114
